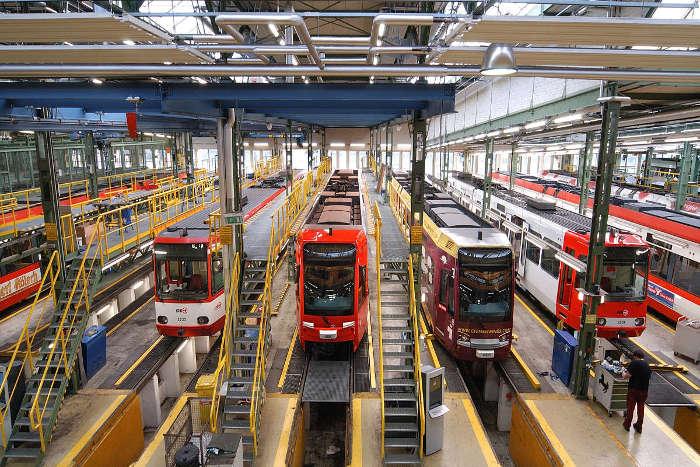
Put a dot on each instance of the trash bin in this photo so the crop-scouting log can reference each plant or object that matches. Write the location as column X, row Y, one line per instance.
column 94, row 347
column 563, row 352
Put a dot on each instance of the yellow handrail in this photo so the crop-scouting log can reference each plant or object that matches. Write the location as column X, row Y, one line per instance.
column 159, row 214
column 27, row 337
column 378, row 257
column 282, row 221
column 223, row 369
column 413, row 309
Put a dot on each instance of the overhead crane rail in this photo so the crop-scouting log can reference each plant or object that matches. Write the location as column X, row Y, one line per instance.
column 109, row 243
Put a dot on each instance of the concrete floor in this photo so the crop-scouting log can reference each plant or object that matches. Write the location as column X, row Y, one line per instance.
column 126, row 345
column 658, row 337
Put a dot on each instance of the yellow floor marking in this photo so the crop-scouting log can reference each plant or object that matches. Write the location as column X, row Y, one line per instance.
column 372, row 376
column 478, row 428
column 680, row 442
column 539, row 320
column 550, row 434
column 167, row 424
column 85, row 439
column 283, row 444
column 290, row 351
column 677, row 373
column 138, row 362
column 429, row 344
column 356, row 433
column 661, row 323
column 528, row 372
column 114, row 329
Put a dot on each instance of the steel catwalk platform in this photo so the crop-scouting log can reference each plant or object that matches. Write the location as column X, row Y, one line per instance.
column 256, row 237
column 394, row 245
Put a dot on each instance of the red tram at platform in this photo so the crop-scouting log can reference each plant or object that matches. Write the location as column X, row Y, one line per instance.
column 467, row 276
column 332, row 288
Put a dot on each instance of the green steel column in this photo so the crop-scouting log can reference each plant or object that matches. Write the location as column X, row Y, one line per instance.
column 417, row 198
column 488, row 168
column 91, row 162
column 310, row 155
column 189, row 155
column 323, row 151
column 514, row 161
column 444, row 164
column 584, row 171
column 596, row 249
column 389, row 156
column 48, row 182
column 465, row 159
column 237, row 154
column 378, row 151
column 686, row 169
column 288, row 156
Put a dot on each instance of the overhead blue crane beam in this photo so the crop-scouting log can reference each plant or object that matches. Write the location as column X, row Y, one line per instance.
column 321, row 104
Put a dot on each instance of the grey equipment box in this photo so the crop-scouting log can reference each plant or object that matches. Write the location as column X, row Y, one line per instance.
column 687, row 339
column 609, row 390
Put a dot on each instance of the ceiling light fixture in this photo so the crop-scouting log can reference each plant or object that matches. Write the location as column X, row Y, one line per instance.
column 273, row 29
column 375, row 60
column 513, row 129
column 568, row 118
column 499, row 60
column 128, row 42
column 536, row 124
column 382, row 29
column 491, row 134
column 96, row 81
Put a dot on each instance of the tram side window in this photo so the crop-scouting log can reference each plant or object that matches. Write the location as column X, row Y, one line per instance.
column 549, row 263
column 532, row 252
column 447, row 295
column 217, row 272
column 682, row 272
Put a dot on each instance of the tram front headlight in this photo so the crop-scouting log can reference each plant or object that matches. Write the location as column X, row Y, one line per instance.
column 505, row 337
column 601, row 321
column 162, row 320
column 202, row 319
column 639, row 321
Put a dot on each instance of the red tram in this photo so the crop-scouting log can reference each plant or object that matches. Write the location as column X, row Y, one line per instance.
column 332, row 287
column 189, row 290
column 467, row 276
column 551, row 248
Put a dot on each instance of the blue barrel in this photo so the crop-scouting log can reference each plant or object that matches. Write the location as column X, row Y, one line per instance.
column 94, row 347
column 563, row 352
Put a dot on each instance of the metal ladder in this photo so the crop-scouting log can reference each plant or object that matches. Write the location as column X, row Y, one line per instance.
column 55, row 368
column 401, row 437
column 238, row 402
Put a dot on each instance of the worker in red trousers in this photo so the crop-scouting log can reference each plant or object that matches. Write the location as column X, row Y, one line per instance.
column 638, row 373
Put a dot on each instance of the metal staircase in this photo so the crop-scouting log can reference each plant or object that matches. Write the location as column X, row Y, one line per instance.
column 53, row 372
column 249, row 349
column 402, row 410
column 401, row 437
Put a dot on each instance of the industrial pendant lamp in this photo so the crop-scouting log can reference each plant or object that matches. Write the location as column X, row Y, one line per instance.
column 499, row 60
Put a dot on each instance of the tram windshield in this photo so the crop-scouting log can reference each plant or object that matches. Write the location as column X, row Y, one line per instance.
column 485, row 284
column 625, row 271
column 329, row 279
column 181, row 271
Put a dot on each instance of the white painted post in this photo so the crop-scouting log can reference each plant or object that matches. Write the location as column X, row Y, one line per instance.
column 187, row 358
column 150, row 404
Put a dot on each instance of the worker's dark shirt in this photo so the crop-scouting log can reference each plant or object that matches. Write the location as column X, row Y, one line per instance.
column 640, row 375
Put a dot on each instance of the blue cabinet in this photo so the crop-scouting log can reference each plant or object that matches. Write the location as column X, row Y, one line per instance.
column 563, row 352
column 94, row 347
